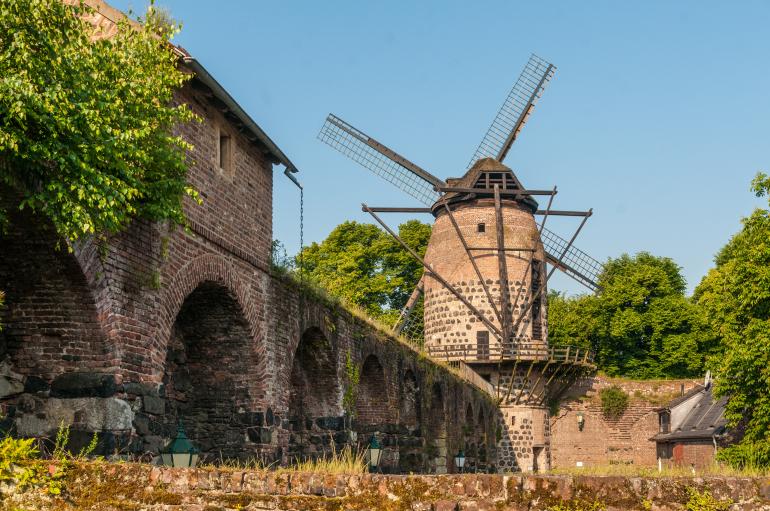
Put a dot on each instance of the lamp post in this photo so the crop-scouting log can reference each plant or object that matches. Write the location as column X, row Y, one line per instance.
column 581, row 421
column 373, row 454
column 460, row 461
column 180, row 451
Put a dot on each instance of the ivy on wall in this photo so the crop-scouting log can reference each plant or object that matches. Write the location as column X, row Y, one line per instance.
column 614, row 402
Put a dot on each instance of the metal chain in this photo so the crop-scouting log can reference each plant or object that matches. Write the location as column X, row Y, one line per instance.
column 301, row 230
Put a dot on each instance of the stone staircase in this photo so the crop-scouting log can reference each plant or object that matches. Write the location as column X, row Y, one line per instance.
column 620, row 429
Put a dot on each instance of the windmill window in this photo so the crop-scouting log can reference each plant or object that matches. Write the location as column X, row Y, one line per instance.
column 664, row 420
column 481, row 227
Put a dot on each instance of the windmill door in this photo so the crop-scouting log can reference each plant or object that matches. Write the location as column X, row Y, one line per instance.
column 482, row 345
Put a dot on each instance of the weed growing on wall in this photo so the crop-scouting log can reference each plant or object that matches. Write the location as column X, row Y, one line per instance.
column 19, row 462
column 705, row 501
column 352, row 375
column 614, row 402
column 578, row 505
column 22, row 466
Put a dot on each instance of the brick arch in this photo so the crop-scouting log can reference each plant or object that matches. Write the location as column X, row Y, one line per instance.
column 409, row 402
column 208, row 377
column 372, row 404
column 314, row 400
column 436, row 431
column 314, row 390
column 469, row 442
column 470, row 421
column 52, row 321
column 482, row 440
column 206, row 268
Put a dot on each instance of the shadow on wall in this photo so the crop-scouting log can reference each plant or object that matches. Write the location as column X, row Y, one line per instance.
column 50, row 317
column 206, row 376
column 436, row 433
column 315, row 416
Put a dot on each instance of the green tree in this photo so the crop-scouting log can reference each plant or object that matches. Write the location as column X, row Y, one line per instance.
column 735, row 297
column 363, row 265
column 572, row 321
column 86, row 121
column 641, row 324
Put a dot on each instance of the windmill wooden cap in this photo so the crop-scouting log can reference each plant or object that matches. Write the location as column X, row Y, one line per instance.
column 484, row 174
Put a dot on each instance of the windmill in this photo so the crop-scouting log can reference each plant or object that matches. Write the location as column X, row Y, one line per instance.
column 486, row 266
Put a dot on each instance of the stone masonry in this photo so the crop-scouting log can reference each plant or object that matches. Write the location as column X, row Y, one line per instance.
column 126, row 486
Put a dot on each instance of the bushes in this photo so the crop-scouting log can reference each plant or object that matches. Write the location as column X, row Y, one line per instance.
column 746, row 455
column 614, row 402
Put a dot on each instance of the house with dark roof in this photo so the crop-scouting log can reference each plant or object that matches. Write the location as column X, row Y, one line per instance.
column 692, row 427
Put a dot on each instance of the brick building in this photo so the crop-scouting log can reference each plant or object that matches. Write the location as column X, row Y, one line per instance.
column 692, row 428
column 128, row 335
column 581, row 435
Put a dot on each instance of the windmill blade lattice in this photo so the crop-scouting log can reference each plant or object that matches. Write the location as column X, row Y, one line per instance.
column 515, row 110
column 413, row 325
column 380, row 160
column 574, row 262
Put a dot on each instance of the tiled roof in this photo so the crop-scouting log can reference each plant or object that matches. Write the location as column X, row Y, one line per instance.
column 705, row 420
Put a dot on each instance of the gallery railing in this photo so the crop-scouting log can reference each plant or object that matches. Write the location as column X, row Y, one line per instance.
column 517, row 351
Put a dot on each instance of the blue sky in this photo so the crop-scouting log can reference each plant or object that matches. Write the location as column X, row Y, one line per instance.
column 658, row 116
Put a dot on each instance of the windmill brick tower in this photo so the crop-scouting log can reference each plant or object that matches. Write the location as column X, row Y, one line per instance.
column 487, row 264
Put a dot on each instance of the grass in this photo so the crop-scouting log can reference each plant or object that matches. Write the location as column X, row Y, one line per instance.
column 715, row 470
column 345, row 461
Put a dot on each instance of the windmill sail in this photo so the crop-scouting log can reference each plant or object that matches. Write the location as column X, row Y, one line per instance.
column 574, row 262
column 380, row 160
column 515, row 110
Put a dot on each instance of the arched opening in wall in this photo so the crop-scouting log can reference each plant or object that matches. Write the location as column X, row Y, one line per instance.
column 410, row 453
column 314, row 409
column 208, row 367
column 482, row 442
column 409, row 404
column 469, row 440
column 50, row 318
column 436, row 433
column 372, row 406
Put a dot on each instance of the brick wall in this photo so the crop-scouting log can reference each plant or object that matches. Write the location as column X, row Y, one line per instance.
column 130, row 334
column 52, row 320
column 603, row 441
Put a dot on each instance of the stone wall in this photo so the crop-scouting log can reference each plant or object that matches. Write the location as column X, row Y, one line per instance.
column 625, row 440
column 129, row 487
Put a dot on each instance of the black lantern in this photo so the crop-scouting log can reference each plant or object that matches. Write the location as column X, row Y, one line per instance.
column 180, row 451
column 373, row 454
column 460, row 461
column 581, row 421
